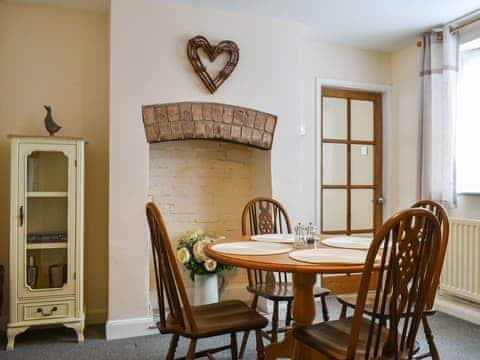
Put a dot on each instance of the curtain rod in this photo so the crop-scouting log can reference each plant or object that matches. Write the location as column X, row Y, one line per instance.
column 464, row 17
column 465, row 23
column 462, row 22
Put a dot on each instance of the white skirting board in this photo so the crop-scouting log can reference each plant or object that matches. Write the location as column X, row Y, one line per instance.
column 458, row 308
column 127, row 328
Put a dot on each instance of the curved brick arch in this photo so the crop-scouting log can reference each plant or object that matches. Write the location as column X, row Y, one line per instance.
column 211, row 121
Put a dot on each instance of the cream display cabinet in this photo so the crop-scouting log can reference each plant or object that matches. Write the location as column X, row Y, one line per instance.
column 46, row 234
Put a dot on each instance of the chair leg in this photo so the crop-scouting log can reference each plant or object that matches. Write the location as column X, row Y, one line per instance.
column 243, row 346
column 191, row 349
column 343, row 312
column 246, row 334
column 275, row 322
column 429, row 336
column 288, row 318
column 260, row 350
column 233, row 346
column 172, row 347
column 324, row 308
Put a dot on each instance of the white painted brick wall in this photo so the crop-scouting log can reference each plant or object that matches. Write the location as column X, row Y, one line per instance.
column 200, row 184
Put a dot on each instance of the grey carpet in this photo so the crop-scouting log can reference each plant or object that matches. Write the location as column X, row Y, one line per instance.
column 456, row 339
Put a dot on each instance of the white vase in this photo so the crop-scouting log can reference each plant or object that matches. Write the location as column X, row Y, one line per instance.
column 205, row 289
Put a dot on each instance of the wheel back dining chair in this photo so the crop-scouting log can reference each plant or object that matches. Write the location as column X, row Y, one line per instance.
column 263, row 215
column 404, row 254
column 194, row 322
column 349, row 300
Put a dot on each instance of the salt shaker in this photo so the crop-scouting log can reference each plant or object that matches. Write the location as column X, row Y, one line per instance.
column 312, row 231
column 310, row 236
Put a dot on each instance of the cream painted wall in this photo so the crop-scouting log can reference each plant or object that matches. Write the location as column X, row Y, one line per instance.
column 276, row 73
column 149, row 65
column 59, row 57
column 406, row 109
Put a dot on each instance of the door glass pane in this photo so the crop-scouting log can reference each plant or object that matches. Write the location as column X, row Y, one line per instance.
column 46, row 220
column 47, row 171
column 334, row 118
column 362, row 158
column 361, row 115
column 334, row 209
column 334, row 164
column 362, row 209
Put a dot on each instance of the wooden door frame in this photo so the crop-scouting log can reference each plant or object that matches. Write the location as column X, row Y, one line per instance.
column 385, row 91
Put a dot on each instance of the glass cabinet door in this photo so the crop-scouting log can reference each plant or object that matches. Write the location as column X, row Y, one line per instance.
column 47, row 230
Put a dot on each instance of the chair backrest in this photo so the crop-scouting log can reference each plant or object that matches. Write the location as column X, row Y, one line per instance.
column 404, row 253
column 170, row 286
column 263, row 215
column 439, row 211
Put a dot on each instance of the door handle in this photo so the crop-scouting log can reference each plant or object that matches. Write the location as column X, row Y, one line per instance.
column 40, row 310
column 21, row 215
column 381, row 200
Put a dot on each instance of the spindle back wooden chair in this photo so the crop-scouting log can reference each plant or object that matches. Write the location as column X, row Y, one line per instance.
column 349, row 300
column 263, row 215
column 404, row 253
column 178, row 317
column 441, row 214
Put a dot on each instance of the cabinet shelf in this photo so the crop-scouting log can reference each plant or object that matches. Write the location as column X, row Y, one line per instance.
column 47, row 194
column 47, row 245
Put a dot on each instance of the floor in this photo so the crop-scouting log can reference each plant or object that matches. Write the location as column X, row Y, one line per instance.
column 456, row 339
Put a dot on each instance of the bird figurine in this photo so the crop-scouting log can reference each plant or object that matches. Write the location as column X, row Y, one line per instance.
column 50, row 124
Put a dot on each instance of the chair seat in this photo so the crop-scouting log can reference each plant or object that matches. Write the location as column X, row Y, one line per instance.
column 331, row 338
column 225, row 317
column 281, row 292
column 350, row 300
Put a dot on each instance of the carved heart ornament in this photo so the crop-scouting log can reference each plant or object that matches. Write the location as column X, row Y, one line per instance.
column 212, row 52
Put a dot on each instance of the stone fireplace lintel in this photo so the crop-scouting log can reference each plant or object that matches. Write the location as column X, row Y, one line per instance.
column 210, row 121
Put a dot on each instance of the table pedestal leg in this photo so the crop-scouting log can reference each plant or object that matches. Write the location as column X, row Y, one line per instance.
column 303, row 314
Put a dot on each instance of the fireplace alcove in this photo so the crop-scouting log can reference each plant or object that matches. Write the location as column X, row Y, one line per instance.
column 204, row 180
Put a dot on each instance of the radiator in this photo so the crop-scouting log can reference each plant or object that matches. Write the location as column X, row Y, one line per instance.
column 461, row 269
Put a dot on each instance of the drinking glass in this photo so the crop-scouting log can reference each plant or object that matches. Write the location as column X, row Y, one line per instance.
column 300, row 234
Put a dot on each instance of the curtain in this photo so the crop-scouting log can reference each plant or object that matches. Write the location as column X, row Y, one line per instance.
column 438, row 113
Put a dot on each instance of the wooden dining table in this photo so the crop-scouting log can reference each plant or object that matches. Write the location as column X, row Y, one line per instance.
column 304, row 277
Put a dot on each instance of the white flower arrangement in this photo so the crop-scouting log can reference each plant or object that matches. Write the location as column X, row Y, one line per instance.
column 191, row 253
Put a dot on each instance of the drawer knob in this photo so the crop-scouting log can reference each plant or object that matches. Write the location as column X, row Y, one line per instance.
column 40, row 310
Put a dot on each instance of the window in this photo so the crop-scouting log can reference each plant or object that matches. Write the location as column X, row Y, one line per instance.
column 468, row 121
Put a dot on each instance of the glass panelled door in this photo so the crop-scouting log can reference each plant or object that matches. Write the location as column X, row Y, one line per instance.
column 46, row 219
column 351, row 174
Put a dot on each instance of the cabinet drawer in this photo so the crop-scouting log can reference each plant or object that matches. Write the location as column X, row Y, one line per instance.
column 29, row 312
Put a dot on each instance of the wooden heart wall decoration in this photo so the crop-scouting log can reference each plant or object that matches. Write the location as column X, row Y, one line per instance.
column 226, row 46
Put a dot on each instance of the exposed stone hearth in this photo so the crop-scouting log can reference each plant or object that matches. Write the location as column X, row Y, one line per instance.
column 194, row 120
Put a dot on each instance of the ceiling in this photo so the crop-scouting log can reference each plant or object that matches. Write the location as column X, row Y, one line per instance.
column 384, row 25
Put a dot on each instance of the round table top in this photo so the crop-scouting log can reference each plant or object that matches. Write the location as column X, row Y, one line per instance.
column 279, row 262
